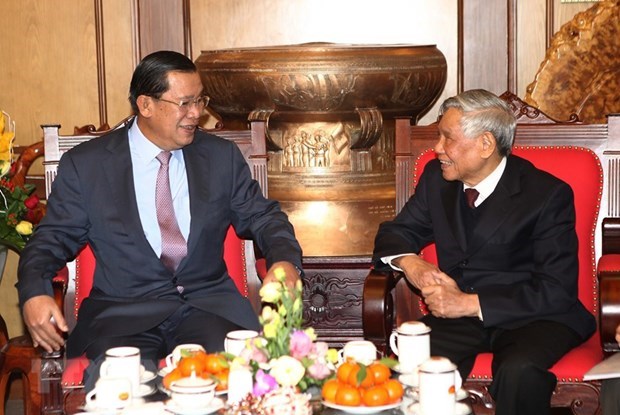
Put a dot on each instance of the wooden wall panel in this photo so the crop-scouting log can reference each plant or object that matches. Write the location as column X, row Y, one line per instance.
column 48, row 74
column 485, row 45
column 120, row 57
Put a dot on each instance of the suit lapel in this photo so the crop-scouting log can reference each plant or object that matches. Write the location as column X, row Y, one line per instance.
column 197, row 167
column 452, row 208
column 120, row 180
column 497, row 207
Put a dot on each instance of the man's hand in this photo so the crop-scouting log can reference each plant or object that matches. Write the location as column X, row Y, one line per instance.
column 290, row 272
column 44, row 319
column 445, row 299
column 419, row 272
column 618, row 334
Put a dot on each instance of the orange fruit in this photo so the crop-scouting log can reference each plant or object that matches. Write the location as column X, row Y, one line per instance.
column 360, row 377
column 380, row 372
column 187, row 365
column 329, row 390
column 343, row 371
column 394, row 389
column 215, row 363
column 221, row 380
column 376, row 396
column 348, row 395
column 175, row 374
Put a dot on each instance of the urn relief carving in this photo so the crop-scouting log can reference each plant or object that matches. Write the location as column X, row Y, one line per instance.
column 329, row 111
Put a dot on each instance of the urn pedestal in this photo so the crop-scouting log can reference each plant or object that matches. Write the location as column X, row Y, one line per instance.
column 329, row 111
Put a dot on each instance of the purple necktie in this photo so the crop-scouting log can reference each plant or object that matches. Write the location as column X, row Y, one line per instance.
column 471, row 195
column 173, row 245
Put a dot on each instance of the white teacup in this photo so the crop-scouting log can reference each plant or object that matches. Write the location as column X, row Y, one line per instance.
column 110, row 393
column 439, row 381
column 361, row 351
column 123, row 362
column 180, row 351
column 411, row 343
column 192, row 392
column 237, row 339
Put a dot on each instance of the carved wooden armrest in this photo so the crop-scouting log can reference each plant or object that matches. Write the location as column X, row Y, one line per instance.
column 378, row 306
column 609, row 284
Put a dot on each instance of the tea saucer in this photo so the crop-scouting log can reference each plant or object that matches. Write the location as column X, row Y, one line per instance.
column 459, row 409
column 215, row 405
column 92, row 408
column 147, row 376
column 145, row 390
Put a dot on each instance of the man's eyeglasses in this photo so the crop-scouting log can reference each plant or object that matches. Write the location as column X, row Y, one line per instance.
column 185, row 104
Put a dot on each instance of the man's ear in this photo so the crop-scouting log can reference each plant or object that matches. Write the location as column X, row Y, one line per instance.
column 145, row 106
column 488, row 144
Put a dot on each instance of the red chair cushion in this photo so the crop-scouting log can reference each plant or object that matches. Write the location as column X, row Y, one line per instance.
column 586, row 182
column 234, row 256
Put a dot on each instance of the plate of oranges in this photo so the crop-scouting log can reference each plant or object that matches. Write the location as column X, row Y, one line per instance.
column 362, row 389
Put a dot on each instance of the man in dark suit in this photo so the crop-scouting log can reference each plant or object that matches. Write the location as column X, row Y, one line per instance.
column 104, row 195
column 506, row 281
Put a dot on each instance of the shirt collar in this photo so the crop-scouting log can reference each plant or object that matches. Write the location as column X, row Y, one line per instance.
column 143, row 150
column 489, row 183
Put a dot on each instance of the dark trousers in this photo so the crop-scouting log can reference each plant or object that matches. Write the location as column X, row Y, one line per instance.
column 522, row 357
column 610, row 396
column 186, row 325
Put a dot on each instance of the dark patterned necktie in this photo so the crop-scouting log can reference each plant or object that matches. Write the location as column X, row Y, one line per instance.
column 470, row 196
column 173, row 245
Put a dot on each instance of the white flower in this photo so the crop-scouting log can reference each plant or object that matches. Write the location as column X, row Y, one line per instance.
column 287, row 370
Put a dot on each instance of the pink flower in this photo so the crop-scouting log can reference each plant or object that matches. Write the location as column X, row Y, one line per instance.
column 319, row 370
column 264, row 383
column 300, row 344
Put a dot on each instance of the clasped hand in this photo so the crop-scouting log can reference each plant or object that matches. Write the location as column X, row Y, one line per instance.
column 442, row 295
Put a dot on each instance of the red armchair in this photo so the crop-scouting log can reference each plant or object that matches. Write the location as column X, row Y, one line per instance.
column 570, row 151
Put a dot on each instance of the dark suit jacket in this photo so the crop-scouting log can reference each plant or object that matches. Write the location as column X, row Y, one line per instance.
column 93, row 200
column 521, row 257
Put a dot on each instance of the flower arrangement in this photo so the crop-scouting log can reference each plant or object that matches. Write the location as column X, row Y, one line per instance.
column 286, row 355
column 18, row 206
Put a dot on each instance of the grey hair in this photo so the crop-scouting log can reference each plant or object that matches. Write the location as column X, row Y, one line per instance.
column 484, row 111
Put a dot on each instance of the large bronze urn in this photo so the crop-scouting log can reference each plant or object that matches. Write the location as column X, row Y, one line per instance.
column 329, row 110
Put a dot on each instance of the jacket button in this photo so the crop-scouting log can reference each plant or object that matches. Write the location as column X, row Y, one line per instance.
column 464, row 262
column 180, row 289
column 470, row 289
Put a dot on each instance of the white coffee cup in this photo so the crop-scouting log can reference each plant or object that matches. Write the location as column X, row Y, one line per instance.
column 362, row 351
column 192, row 392
column 438, row 386
column 180, row 351
column 412, row 344
column 123, row 362
column 236, row 340
column 110, row 393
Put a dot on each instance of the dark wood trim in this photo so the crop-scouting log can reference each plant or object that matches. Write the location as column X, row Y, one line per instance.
column 187, row 28
column 549, row 22
column 511, row 49
column 136, row 33
column 460, row 53
column 101, row 84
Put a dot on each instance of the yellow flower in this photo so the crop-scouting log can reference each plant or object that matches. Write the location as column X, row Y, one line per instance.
column 270, row 292
column 24, row 228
